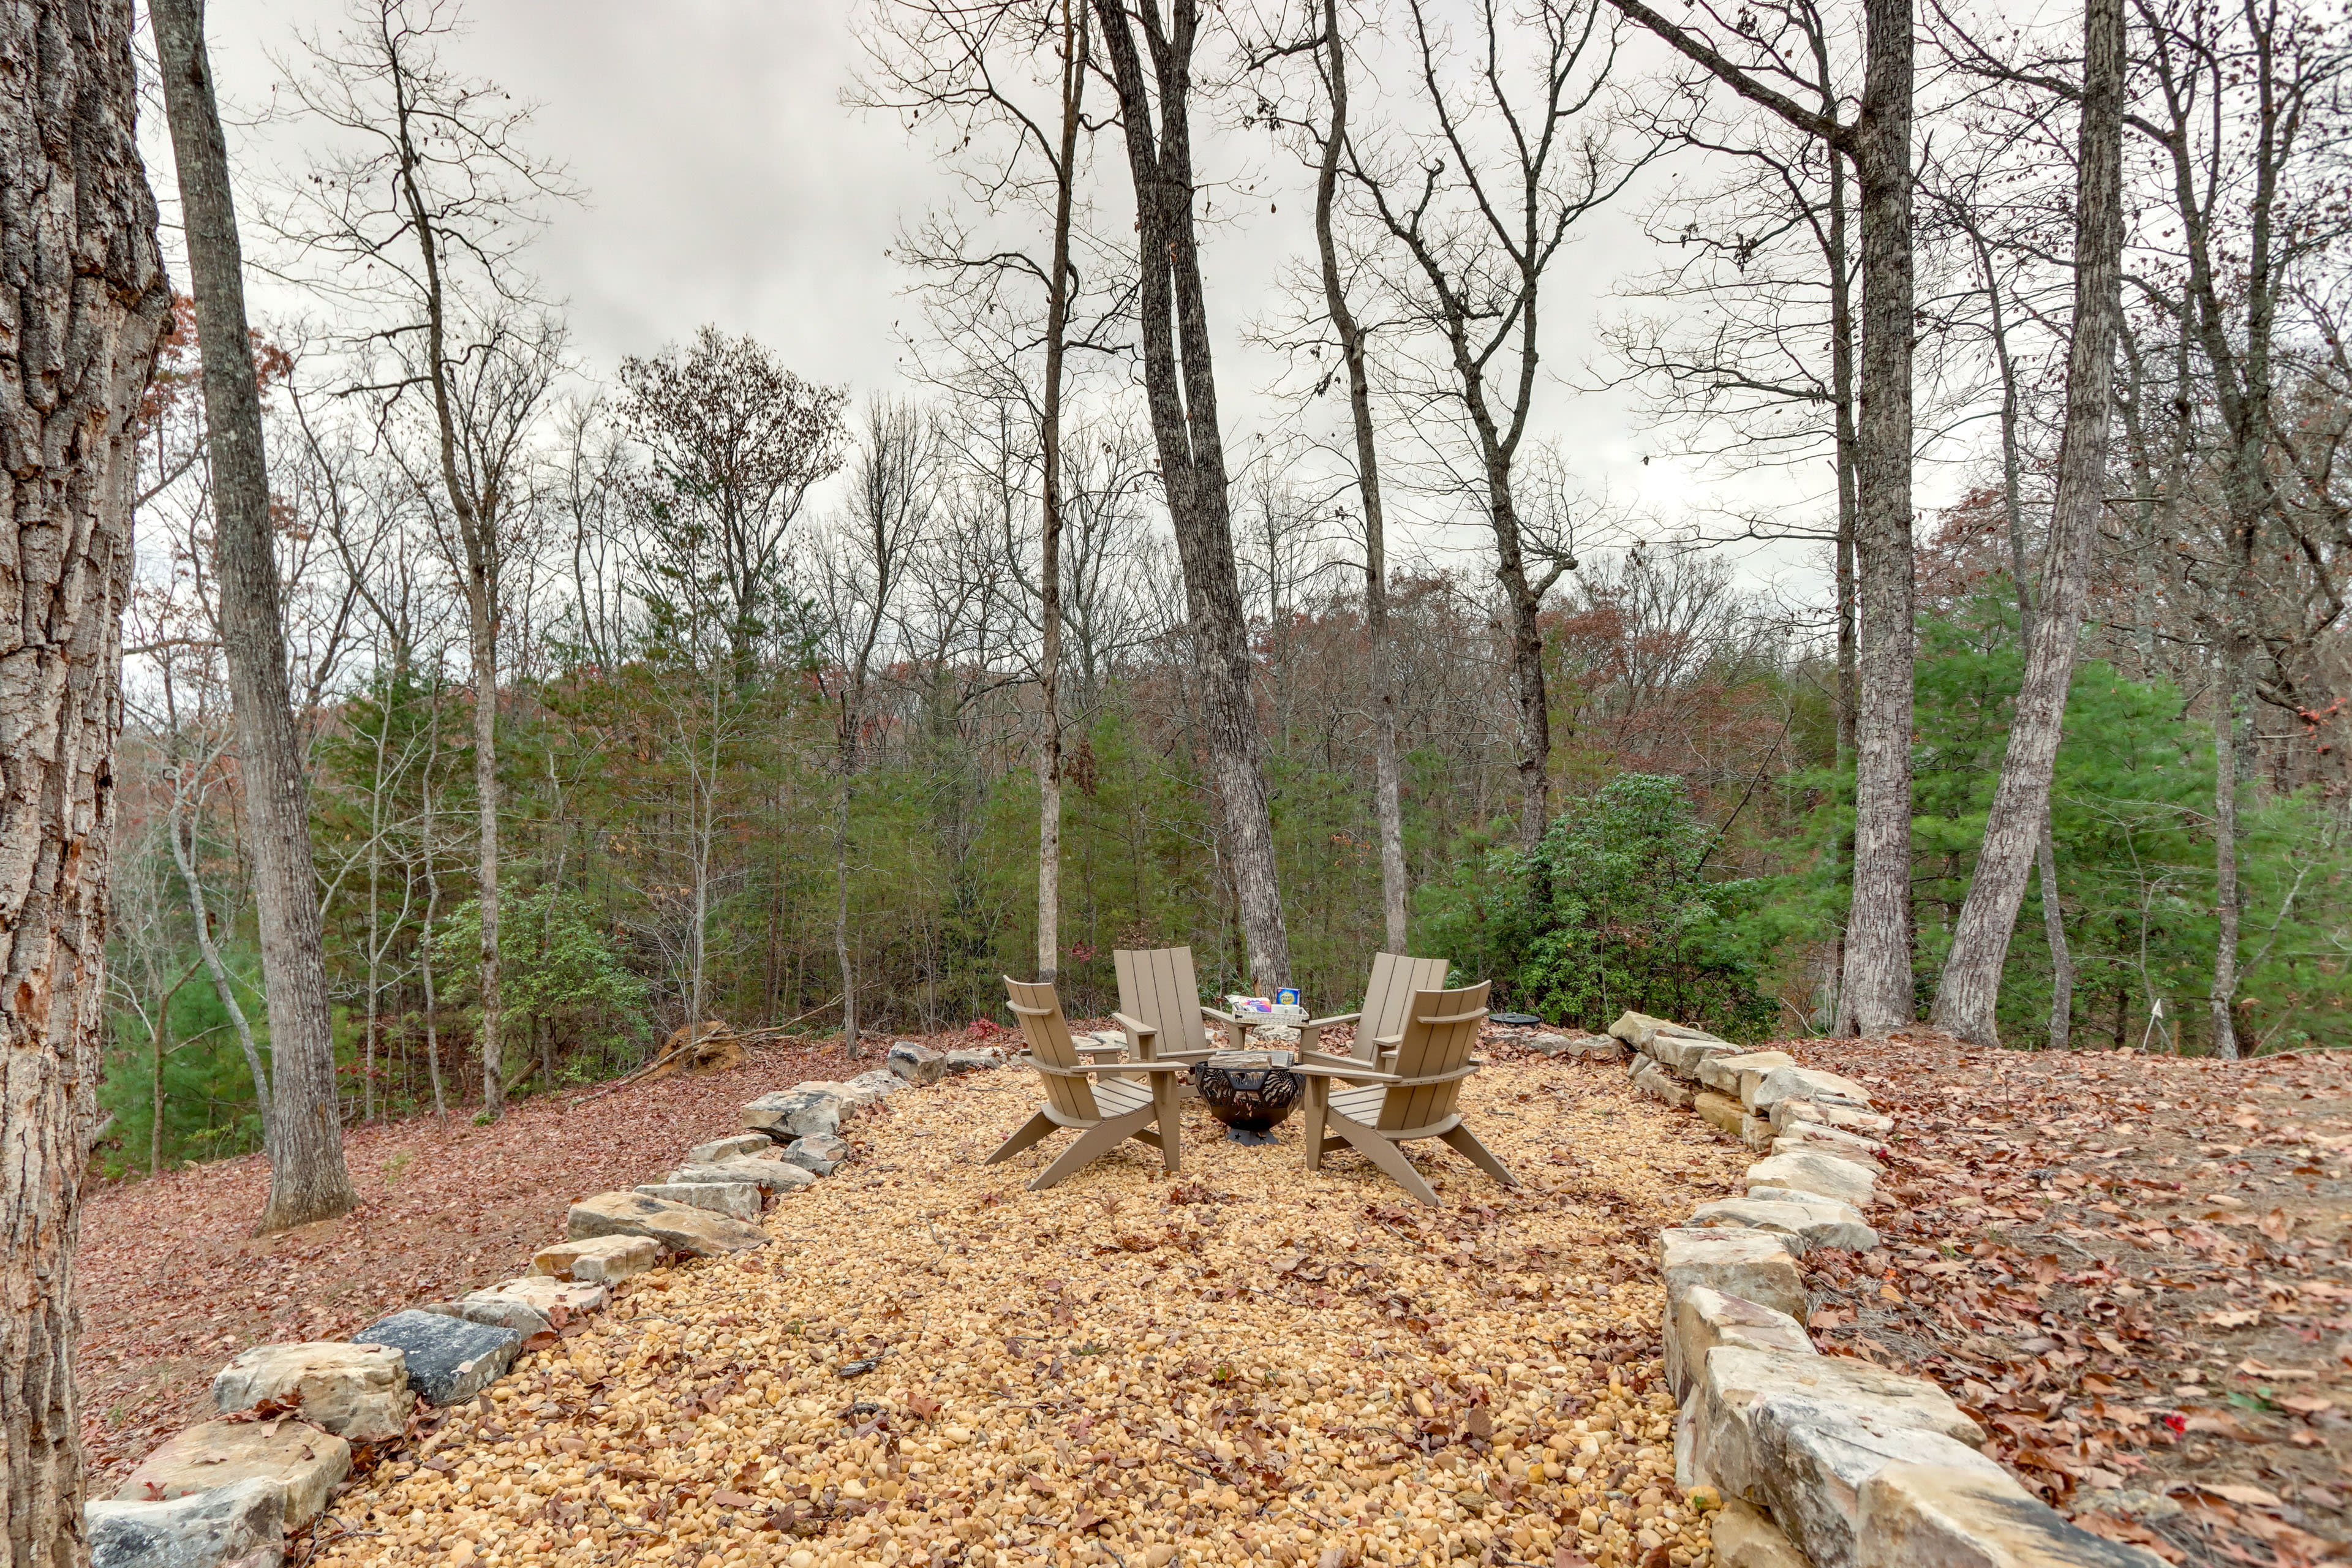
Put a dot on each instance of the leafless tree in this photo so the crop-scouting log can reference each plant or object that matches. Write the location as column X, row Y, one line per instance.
column 307, row 1180
column 1153, row 47
column 417, row 215
column 1483, row 207
column 2017, row 825
column 860, row 578
column 1774, row 67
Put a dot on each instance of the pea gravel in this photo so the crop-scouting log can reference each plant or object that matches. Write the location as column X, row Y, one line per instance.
column 1244, row 1363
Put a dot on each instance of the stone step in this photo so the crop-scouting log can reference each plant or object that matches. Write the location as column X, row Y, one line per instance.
column 359, row 1391
column 302, row 1462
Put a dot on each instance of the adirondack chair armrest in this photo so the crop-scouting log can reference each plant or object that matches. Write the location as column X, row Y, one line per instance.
column 1464, row 1070
column 1209, row 1012
column 1092, row 1068
column 1327, row 1023
column 1354, row 1072
column 1472, row 1017
column 1389, row 1042
column 1099, row 1048
column 1137, row 1029
column 1312, row 1058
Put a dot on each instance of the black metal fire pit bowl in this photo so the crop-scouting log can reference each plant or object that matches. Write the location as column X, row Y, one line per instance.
column 1249, row 1091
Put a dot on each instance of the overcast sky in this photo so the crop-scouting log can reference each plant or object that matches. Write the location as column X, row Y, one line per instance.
column 726, row 183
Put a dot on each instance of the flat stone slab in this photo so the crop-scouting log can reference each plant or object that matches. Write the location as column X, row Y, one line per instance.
column 742, row 1145
column 816, row 1106
column 770, row 1175
column 302, row 1462
column 1931, row 1516
column 359, row 1391
column 1786, row 1113
column 602, row 1259
column 1857, row 1154
column 1800, row 1434
column 695, row 1232
column 1684, row 1054
column 1823, row 1175
column 1580, row 1047
column 518, row 1317
column 1811, row 1225
column 916, row 1063
column 532, row 1305
column 560, row 1299
column 1641, row 1031
column 870, row 1088
column 983, row 1059
column 1753, row 1265
column 239, row 1525
column 736, row 1200
column 1742, row 1537
column 1719, row 1110
column 1806, row 1083
column 1701, row 1318
column 819, row 1155
column 449, row 1359
column 1726, row 1074
column 1659, row 1084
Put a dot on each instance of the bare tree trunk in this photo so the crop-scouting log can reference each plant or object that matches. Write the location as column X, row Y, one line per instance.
column 201, row 918
column 155, row 1087
column 486, row 789
column 2062, row 960
column 1966, row 999
column 2225, row 856
column 1877, row 992
column 424, row 968
column 1387, row 802
column 1179, row 387
column 86, row 306
column 1075, row 34
column 1842, row 389
column 840, row 915
column 308, row 1179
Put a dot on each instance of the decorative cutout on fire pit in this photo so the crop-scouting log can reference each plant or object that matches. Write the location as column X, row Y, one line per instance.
column 1249, row 1091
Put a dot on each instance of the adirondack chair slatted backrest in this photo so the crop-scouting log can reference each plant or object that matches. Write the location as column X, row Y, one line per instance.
column 1157, row 986
column 1395, row 978
column 1431, row 1046
column 1048, row 1036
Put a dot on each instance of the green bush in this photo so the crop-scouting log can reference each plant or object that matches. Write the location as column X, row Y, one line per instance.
column 1611, row 910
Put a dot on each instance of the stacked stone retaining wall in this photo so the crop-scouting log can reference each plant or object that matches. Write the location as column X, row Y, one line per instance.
column 1814, row 1459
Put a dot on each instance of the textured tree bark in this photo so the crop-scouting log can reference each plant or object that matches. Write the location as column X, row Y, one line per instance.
column 307, row 1180
column 1970, row 989
column 1877, row 998
column 2062, row 960
column 1179, row 388
column 2225, row 858
column 86, row 304
column 1075, row 34
column 1388, row 810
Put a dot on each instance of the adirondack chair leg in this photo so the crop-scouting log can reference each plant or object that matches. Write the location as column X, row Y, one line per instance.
column 1092, row 1146
column 1318, row 1107
column 1165, row 1103
column 1466, row 1144
column 1387, row 1155
column 1038, row 1126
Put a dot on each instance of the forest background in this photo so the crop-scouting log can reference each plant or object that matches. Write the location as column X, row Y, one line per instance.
column 767, row 656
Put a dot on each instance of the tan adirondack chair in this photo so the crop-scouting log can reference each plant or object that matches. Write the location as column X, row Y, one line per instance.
column 1159, row 1006
column 1105, row 1105
column 1379, row 1022
column 1374, row 1112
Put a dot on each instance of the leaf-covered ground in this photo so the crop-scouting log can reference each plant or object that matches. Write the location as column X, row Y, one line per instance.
column 171, row 1284
column 2136, row 1271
